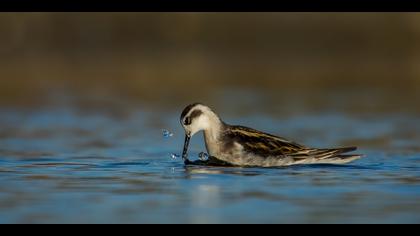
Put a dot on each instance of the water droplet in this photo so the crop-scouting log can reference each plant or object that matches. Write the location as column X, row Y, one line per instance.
column 203, row 156
column 174, row 156
column 166, row 133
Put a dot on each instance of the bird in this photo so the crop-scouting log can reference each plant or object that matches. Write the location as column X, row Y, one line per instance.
column 237, row 145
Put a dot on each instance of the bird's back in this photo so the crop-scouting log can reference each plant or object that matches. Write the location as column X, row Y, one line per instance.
column 250, row 147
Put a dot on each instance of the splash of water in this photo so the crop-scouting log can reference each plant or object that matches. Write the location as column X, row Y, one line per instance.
column 174, row 156
column 203, row 156
column 166, row 133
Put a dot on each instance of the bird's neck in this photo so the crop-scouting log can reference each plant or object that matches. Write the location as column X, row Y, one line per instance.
column 214, row 128
column 212, row 138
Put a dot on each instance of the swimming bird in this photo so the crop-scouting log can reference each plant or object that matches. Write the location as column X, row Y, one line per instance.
column 242, row 146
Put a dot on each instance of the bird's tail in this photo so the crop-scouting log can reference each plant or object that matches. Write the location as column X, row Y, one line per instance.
column 326, row 156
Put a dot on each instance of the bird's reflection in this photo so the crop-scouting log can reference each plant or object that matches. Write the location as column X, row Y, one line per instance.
column 202, row 168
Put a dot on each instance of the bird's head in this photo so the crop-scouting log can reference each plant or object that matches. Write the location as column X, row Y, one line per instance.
column 194, row 118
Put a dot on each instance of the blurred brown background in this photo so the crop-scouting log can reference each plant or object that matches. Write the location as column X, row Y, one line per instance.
column 363, row 62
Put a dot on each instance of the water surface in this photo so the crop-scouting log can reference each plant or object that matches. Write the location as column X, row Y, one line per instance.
column 64, row 166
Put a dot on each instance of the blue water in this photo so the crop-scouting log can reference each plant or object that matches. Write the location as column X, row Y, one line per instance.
column 66, row 166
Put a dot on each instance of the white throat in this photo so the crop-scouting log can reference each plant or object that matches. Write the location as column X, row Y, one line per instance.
column 212, row 133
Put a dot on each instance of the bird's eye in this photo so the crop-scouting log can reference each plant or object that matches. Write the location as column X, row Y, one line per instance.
column 187, row 121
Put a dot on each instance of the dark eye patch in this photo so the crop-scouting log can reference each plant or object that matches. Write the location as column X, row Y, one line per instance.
column 187, row 121
column 195, row 114
column 192, row 116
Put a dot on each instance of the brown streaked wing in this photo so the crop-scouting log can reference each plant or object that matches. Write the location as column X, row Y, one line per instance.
column 261, row 143
column 322, row 153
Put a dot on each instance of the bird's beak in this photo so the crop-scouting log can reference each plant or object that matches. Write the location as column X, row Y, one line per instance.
column 186, row 143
